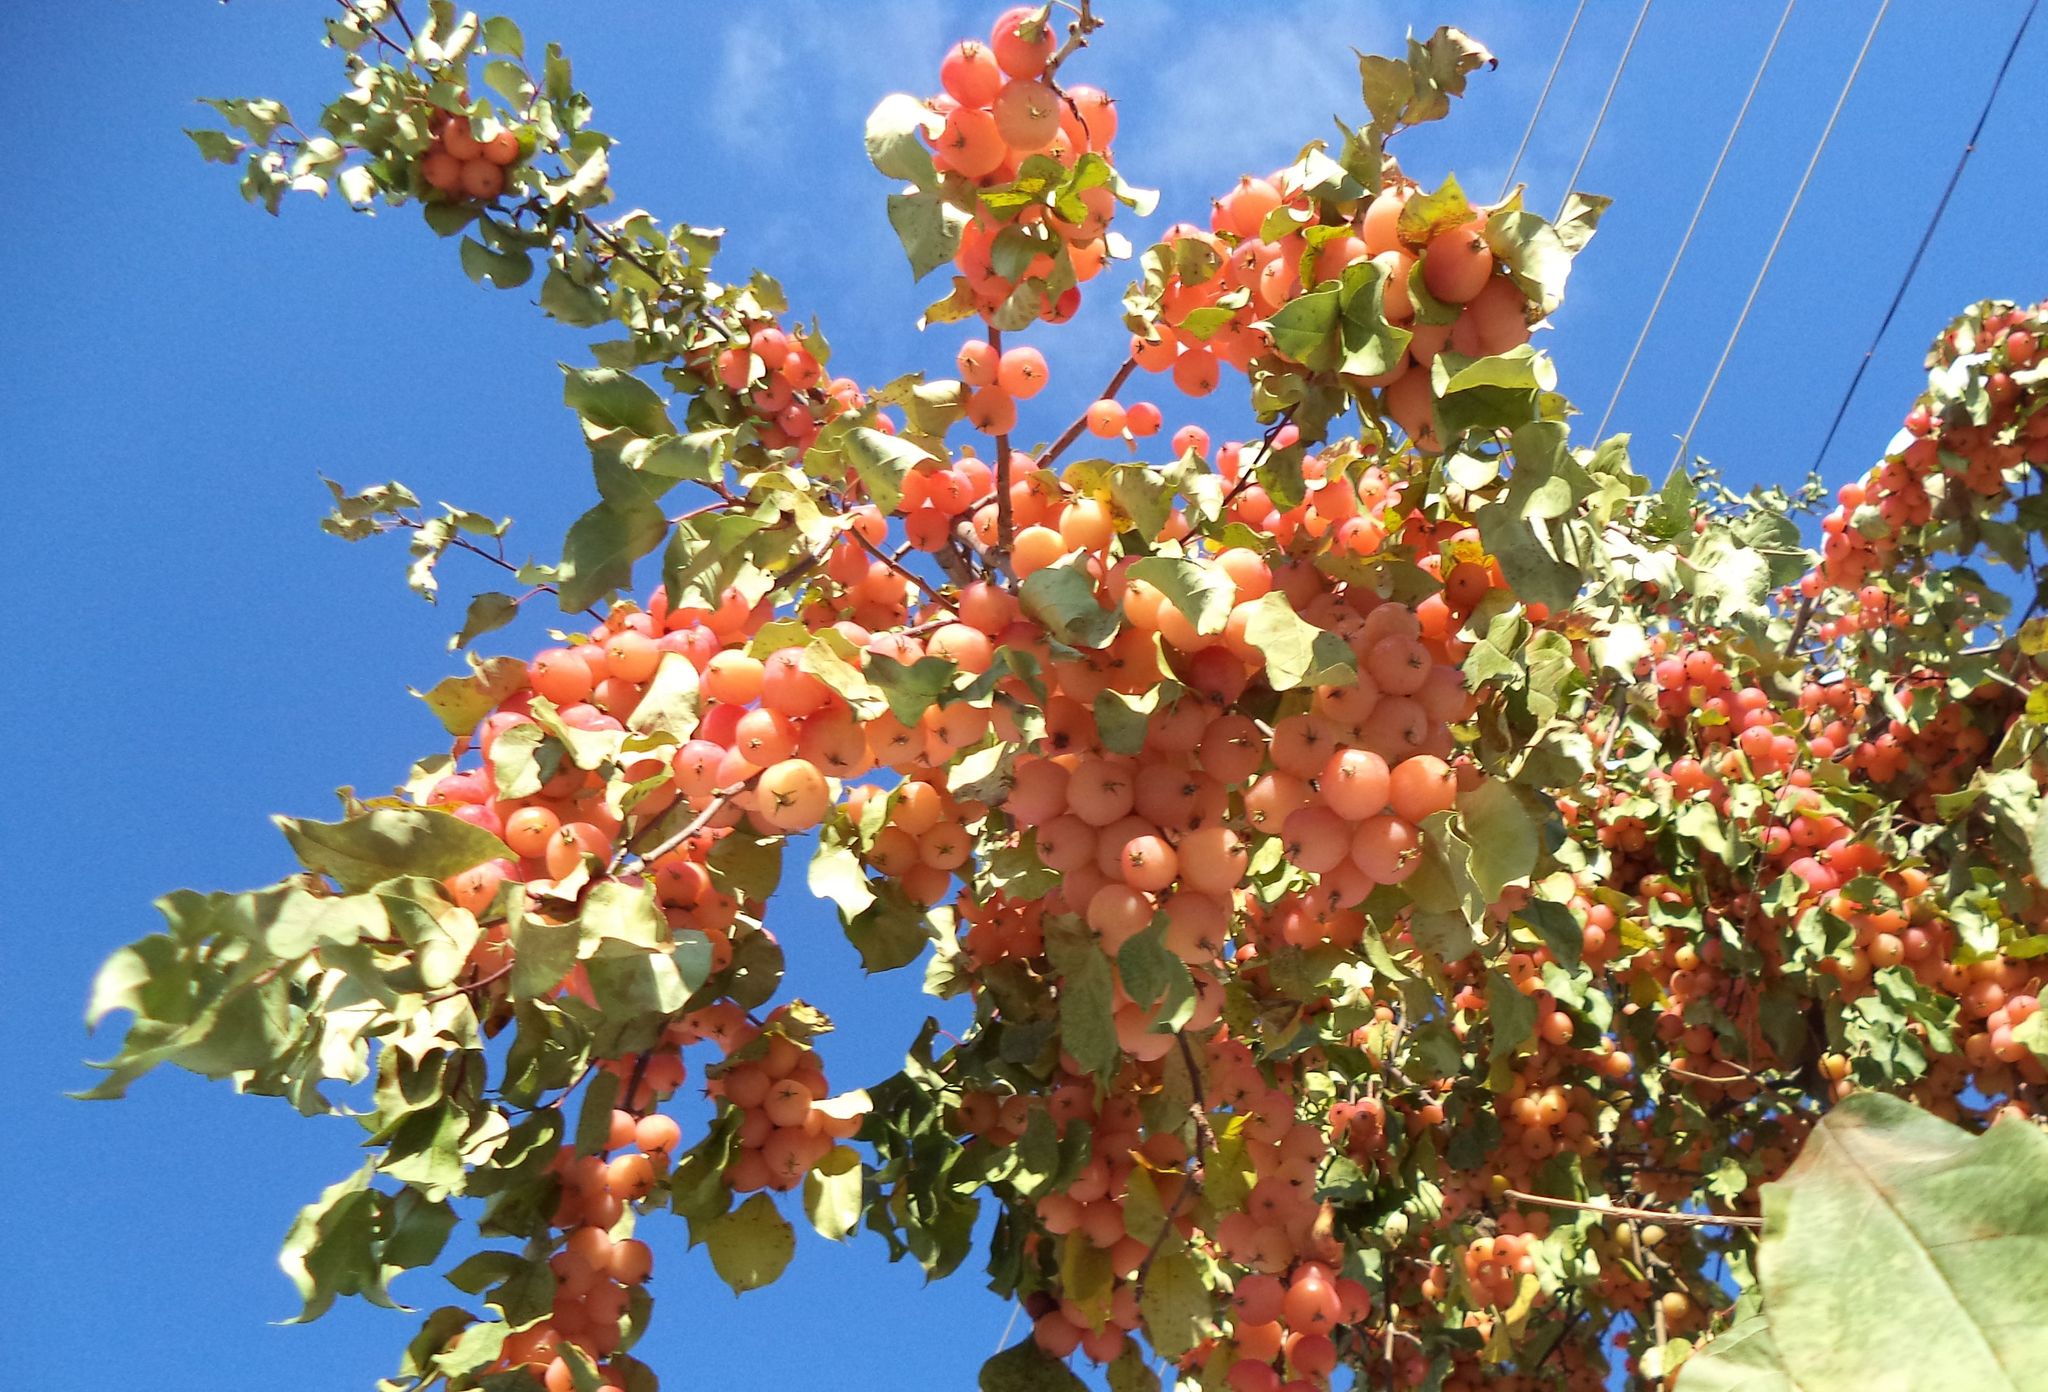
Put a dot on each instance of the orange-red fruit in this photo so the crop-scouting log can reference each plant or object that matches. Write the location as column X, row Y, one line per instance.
column 1457, row 262
column 793, row 795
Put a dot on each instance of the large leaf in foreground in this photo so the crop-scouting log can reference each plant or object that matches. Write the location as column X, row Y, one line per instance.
column 1899, row 1252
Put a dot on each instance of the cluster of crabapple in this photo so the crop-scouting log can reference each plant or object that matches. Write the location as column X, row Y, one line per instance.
column 784, row 1132
column 1893, row 503
column 1258, row 256
column 775, row 381
column 1000, row 107
column 463, row 164
column 596, row 1273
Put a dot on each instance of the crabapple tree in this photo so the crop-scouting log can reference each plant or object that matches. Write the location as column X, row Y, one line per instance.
column 1420, row 885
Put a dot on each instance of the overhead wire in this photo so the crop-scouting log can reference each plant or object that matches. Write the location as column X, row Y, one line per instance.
column 1776, row 241
column 1685, row 241
column 1542, row 98
column 1927, row 237
column 1600, row 119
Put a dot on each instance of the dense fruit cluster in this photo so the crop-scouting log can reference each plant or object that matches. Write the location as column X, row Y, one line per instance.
column 1427, row 258
column 1957, row 455
column 468, row 159
column 1362, row 858
column 1003, row 119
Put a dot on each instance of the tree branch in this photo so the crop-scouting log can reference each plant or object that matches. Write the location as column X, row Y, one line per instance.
column 1648, row 1215
column 698, row 823
column 1073, row 432
column 476, row 985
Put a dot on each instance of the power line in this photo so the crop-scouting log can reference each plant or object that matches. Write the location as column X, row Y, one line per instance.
column 1785, row 222
column 1541, row 98
column 1698, row 208
column 1926, row 237
column 1606, row 101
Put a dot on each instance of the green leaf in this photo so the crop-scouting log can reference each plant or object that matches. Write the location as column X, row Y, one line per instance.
column 1176, row 1304
column 751, row 1245
column 599, row 551
column 331, row 1249
column 672, row 702
column 391, row 841
column 1504, row 834
column 460, row 702
column 1062, row 597
column 1297, row 652
column 836, row 874
column 910, row 688
column 832, row 1193
column 1496, row 393
column 882, row 461
column 1371, row 345
column 1202, row 591
column 1731, row 576
column 543, row 953
column 1532, row 253
column 608, row 399
column 893, row 139
column 1087, row 1000
column 890, row 932
column 1154, row 977
column 487, row 613
column 1557, row 927
column 929, row 228
column 504, row 269
column 1900, row 1251
column 1741, row 1358
column 1305, row 328
column 1128, row 1372
column 1025, row 1367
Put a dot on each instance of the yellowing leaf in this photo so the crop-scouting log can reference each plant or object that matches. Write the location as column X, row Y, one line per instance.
column 750, row 1245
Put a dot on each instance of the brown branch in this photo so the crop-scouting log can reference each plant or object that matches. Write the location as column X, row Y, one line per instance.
column 349, row 7
column 698, row 823
column 1073, row 432
column 463, row 543
column 1642, row 1264
column 1648, row 1215
column 476, row 985
column 639, row 1076
column 1205, row 1139
column 1085, row 23
column 879, row 554
column 1250, row 471
column 1799, row 625
column 1005, row 527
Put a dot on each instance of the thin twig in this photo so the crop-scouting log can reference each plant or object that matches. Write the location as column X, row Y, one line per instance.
column 1085, row 23
column 1205, row 1139
column 1073, row 432
column 1642, row 1264
column 1648, row 1215
column 1799, row 624
column 698, row 823
column 639, row 1075
column 1187, row 1187
column 912, row 576
column 1249, row 472
column 463, row 543
column 476, row 985
column 1004, row 525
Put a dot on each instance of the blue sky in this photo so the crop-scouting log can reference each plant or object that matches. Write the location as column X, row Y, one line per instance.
column 193, row 655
